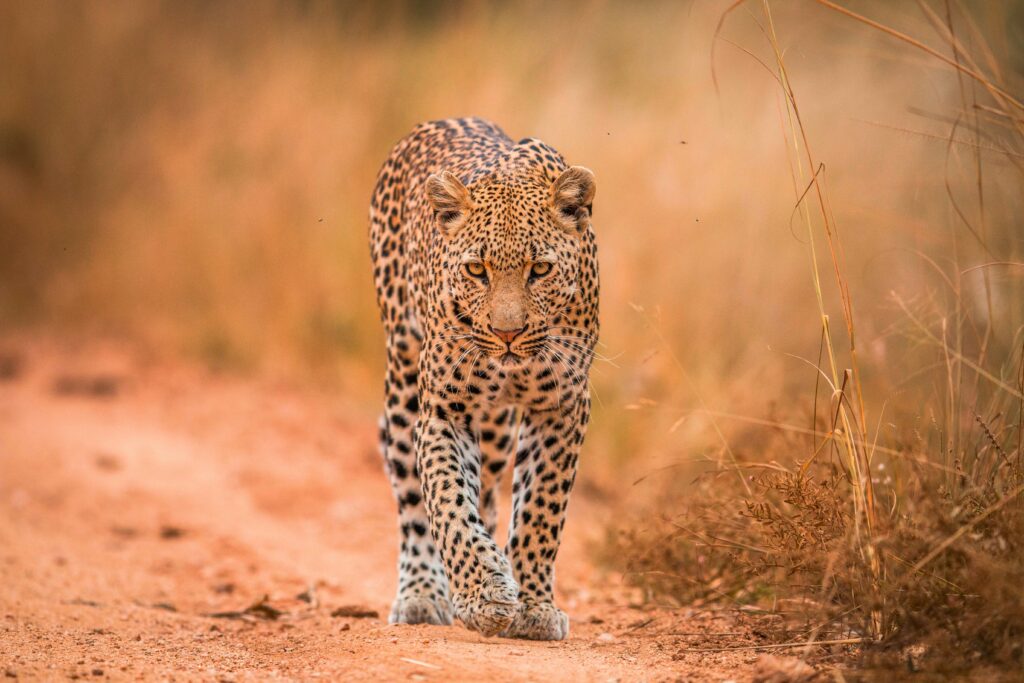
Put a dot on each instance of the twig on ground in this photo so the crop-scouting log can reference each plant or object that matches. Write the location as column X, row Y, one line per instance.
column 417, row 662
column 638, row 626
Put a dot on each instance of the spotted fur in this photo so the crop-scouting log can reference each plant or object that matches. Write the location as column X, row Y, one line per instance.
column 486, row 272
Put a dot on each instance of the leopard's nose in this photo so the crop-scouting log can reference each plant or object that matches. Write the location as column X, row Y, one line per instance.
column 507, row 335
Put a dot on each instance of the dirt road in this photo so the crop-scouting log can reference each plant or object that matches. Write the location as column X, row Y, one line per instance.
column 147, row 509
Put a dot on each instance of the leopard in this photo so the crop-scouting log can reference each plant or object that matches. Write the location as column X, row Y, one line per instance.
column 486, row 274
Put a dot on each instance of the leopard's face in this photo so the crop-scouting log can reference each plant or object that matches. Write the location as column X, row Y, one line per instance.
column 510, row 290
column 512, row 255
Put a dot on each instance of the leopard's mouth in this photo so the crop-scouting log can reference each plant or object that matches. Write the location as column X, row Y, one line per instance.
column 506, row 356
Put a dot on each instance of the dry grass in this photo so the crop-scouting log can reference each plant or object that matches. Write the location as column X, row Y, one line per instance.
column 811, row 255
column 904, row 531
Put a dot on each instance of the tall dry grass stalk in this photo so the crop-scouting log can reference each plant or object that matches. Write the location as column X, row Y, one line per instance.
column 848, row 426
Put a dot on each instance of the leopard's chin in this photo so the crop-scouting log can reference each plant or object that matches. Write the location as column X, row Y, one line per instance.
column 512, row 360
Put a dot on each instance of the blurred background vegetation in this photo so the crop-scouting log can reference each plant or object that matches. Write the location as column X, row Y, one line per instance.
column 194, row 176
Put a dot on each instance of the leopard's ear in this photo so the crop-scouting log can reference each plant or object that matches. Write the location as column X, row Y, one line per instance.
column 449, row 200
column 572, row 198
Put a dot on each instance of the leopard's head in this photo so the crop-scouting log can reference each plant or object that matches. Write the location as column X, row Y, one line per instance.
column 512, row 253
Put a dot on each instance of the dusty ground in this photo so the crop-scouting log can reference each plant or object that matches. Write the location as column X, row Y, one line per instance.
column 139, row 499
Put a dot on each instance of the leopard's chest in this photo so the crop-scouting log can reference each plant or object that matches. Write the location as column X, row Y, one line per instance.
column 485, row 382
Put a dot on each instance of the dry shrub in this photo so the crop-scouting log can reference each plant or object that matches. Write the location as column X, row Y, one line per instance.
column 816, row 515
column 685, row 559
column 956, row 580
column 791, row 548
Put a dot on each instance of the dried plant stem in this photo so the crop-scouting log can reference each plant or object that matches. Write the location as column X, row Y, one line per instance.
column 778, row 646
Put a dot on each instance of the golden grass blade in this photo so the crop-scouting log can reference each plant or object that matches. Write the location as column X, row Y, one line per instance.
column 939, row 138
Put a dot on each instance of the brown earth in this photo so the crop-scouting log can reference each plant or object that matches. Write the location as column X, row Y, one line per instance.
column 145, row 506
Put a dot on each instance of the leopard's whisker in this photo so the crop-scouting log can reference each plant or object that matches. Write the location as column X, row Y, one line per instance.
column 584, row 333
column 567, row 364
column 580, row 379
column 455, row 338
column 451, row 373
column 584, row 350
column 589, row 340
column 472, row 368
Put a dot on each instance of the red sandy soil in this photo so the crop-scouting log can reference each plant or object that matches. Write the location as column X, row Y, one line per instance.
column 137, row 499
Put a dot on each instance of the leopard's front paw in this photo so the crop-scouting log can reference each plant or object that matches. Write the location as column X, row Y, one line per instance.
column 539, row 621
column 490, row 606
column 421, row 609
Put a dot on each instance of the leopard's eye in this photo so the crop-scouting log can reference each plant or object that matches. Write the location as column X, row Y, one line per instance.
column 540, row 269
column 476, row 269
